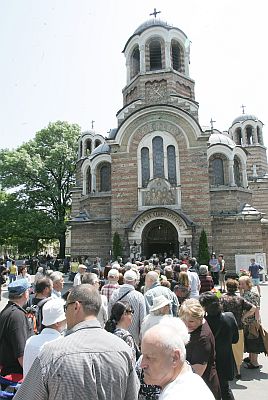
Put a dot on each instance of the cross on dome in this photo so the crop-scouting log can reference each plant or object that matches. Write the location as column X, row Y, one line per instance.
column 155, row 12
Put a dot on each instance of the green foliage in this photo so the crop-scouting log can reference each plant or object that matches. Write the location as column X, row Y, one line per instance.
column 203, row 255
column 41, row 174
column 117, row 246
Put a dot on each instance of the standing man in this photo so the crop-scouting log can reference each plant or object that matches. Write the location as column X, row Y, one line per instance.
column 222, row 271
column 14, row 328
column 78, row 277
column 254, row 270
column 113, row 278
column 155, row 289
column 88, row 363
column 127, row 293
column 58, row 283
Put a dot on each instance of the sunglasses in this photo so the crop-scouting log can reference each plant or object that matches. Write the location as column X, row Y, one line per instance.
column 129, row 311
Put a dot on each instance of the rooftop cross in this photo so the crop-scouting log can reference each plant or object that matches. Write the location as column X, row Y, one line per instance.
column 92, row 124
column 243, row 109
column 155, row 12
column 211, row 124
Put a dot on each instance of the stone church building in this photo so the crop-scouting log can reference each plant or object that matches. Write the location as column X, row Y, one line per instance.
column 158, row 179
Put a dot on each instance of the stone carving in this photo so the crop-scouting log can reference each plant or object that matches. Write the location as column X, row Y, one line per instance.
column 158, row 193
column 159, row 214
column 156, row 91
column 132, row 95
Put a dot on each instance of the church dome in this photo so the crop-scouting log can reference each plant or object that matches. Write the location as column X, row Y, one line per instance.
column 152, row 23
column 220, row 138
column 101, row 149
column 244, row 117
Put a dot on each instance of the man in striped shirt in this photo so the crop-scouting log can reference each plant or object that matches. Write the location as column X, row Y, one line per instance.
column 88, row 363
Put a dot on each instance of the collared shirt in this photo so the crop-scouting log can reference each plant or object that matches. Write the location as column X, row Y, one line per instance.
column 137, row 302
column 108, row 289
column 187, row 385
column 77, row 279
column 34, row 345
column 55, row 294
column 88, row 363
column 157, row 290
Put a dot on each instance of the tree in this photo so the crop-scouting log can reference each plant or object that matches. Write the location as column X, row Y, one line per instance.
column 41, row 174
column 117, row 246
column 203, row 255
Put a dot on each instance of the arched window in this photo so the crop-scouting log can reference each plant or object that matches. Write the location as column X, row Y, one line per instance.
column 171, row 159
column 238, row 136
column 158, row 157
column 249, row 135
column 217, row 172
column 237, row 173
column 145, row 166
column 259, row 135
column 88, row 147
column 175, row 55
column 97, row 143
column 135, row 62
column 155, row 55
column 105, row 178
column 88, row 181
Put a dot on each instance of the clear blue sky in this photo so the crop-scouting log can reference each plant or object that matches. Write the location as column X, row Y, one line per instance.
column 62, row 60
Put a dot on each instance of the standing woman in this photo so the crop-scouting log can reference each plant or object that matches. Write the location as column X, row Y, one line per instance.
column 214, row 268
column 225, row 331
column 119, row 322
column 182, row 289
column 241, row 310
column 200, row 351
column 252, row 342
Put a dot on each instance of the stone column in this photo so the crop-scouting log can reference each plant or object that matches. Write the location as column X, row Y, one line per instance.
column 244, row 177
column 128, row 71
column 244, row 136
column 231, row 173
column 167, row 55
column 151, row 164
column 142, row 59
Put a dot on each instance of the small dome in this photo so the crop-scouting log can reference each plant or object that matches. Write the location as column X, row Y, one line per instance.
column 220, row 138
column 112, row 133
column 152, row 22
column 101, row 149
column 244, row 117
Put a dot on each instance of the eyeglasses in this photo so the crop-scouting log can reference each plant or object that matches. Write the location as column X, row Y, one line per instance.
column 129, row 311
column 72, row 302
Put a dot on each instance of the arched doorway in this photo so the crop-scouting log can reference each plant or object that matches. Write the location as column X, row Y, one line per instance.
column 159, row 237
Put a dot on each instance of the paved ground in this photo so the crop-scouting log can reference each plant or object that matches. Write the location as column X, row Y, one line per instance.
column 254, row 383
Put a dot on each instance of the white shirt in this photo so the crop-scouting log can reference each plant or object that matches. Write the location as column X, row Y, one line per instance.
column 187, row 385
column 55, row 294
column 194, row 284
column 35, row 344
column 103, row 313
column 77, row 279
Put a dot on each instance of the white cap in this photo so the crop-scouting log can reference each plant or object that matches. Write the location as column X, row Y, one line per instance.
column 159, row 302
column 53, row 312
column 130, row 276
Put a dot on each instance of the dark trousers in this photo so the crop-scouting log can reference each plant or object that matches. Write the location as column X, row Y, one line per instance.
column 215, row 277
column 226, row 392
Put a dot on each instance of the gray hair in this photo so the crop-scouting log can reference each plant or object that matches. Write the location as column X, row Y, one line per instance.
column 56, row 276
column 90, row 278
column 88, row 296
column 203, row 269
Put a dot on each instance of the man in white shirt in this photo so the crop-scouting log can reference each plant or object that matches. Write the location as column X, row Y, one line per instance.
column 163, row 363
column 58, row 283
column 55, row 322
column 78, row 277
column 194, row 281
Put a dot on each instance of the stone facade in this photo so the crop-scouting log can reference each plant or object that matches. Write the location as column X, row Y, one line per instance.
column 167, row 178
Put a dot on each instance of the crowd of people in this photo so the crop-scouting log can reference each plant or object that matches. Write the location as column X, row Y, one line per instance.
column 155, row 329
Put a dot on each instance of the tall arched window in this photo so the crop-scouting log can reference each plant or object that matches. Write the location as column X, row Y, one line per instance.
column 155, row 55
column 105, row 178
column 145, row 166
column 238, row 136
column 249, row 135
column 88, row 181
column 88, row 147
column 158, row 157
column 175, row 55
column 171, row 159
column 135, row 62
column 237, row 173
column 217, row 172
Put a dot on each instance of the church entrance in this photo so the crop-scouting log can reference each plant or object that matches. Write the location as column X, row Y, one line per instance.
column 159, row 237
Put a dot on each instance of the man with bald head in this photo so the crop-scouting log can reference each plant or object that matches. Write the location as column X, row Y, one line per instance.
column 155, row 289
column 164, row 364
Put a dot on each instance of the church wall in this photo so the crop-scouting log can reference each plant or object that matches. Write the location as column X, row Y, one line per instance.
column 91, row 239
column 256, row 155
column 97, row 206
column 233, row 236
column 260, row 195
column 230, row 199
column 76, row 197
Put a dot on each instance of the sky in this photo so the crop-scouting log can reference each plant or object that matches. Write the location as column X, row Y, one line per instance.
column 62, row 60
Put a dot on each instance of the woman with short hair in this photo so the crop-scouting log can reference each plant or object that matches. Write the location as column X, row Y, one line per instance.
column 200, row 351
